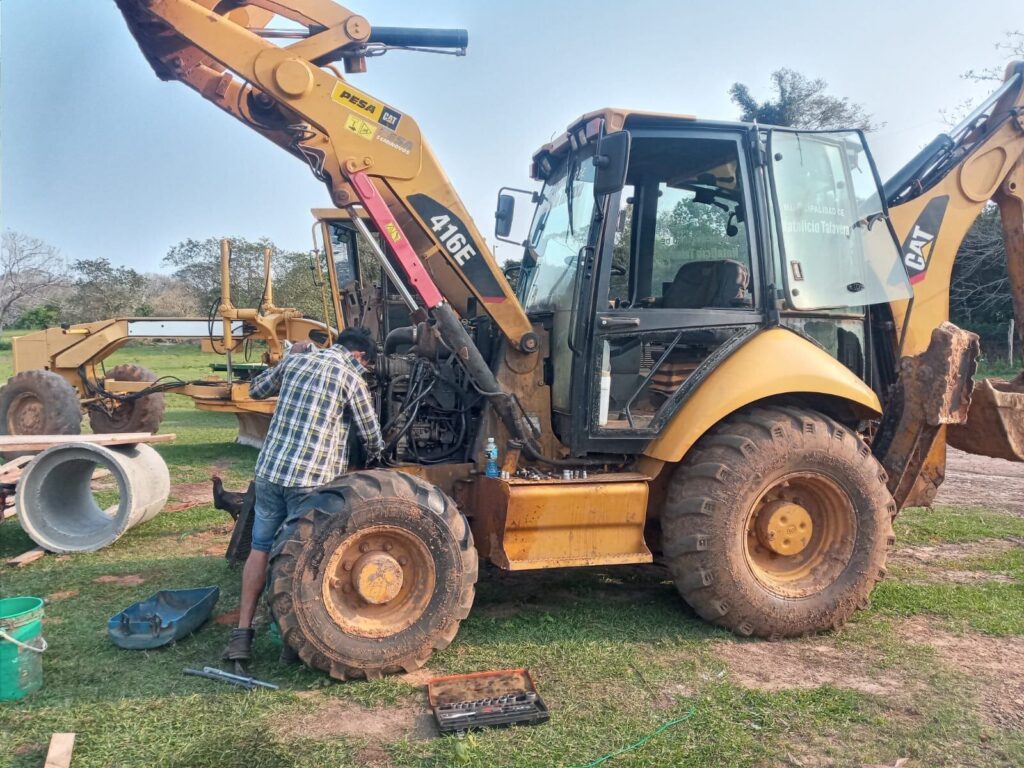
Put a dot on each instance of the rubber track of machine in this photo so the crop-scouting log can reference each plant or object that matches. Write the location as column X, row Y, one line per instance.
column 719, row 482
column 62, row 412
column 143, row 415
column 353, row 501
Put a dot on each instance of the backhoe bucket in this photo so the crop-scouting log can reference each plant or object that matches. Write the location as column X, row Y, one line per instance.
column 995, row 421
column 252, row 428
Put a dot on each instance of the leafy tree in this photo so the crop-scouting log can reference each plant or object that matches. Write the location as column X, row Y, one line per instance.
column 169, row 297
column 30, row 270
column 800, row 102
column 41, row 316
column 102, row 290
column 197, row 268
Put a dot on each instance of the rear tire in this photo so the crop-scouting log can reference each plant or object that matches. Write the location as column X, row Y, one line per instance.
column 38, row 403
column 142, row 415
column 778, row 523
column 374, row 577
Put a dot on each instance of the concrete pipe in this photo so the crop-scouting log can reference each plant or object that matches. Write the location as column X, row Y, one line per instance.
column 55, row 502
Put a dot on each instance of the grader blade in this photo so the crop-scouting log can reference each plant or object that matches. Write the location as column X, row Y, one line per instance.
column 933, row 391
column 995, row 422
column 252, row 428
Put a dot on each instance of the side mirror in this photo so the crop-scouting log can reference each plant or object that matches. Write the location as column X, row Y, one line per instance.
column 611, row 161
column 503, row 215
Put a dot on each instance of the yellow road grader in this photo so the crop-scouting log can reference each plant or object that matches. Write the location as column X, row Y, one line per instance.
column 60, row 372
column 728, row 346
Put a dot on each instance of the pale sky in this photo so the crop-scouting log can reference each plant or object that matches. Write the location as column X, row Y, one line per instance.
column 101, row 158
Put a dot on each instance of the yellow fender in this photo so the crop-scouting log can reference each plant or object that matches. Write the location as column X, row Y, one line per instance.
column 773, row 362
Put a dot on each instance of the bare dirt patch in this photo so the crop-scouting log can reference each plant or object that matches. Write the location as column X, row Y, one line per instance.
column 996, row 664
column 129, row 580
column 228, row 619
column 187, row 495
column 980, row 481
column 341, row 719
column 788, row 664
column 934, row 564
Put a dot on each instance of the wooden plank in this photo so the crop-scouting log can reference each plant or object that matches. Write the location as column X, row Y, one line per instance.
column 10, row 471
column 61, row 747
column 42, row 442
column 26, row 557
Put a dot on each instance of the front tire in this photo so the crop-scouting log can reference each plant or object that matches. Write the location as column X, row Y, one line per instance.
column 778, row 523
column 374, row 577
column 144, row 414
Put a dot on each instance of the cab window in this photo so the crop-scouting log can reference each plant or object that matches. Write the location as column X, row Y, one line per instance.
column 682, row 240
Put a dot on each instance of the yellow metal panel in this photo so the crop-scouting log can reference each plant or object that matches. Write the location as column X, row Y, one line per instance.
column 774, row 362
column 561, row 524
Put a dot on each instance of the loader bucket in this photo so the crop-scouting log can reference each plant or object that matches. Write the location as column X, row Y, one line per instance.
column 252, row 428
column 995, row 421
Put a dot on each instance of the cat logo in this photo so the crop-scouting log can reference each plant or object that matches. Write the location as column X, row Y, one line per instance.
column 920, row 242
column 393, row 232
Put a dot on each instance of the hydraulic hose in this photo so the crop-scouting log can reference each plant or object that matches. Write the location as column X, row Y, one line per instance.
column 455, row 336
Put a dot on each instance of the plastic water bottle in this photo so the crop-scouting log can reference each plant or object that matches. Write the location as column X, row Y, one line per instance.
column 491, row 455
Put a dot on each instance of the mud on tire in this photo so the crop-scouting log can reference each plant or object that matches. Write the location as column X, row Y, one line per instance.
column 722, row 550
column 344, row 523
column 142, row 415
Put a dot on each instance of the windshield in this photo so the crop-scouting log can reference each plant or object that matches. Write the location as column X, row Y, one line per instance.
column 839, row 249
column 561, row 227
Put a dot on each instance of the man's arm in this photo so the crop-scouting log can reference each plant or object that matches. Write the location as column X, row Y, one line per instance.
column 268, row 383
column 365, row 418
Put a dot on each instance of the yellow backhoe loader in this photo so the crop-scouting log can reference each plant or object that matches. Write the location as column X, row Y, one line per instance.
column 727, row 346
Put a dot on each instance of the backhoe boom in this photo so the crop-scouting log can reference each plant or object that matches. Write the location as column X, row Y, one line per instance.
column 287, row 95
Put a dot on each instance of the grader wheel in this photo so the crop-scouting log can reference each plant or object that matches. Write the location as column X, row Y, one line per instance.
column 141, row 415
column 778, row 524
column 39, row 403
column 374, row 577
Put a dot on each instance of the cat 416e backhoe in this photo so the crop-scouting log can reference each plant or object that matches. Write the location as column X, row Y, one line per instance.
column 727, row 346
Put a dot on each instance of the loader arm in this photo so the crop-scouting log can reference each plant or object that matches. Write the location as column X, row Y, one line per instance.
column 367, row 152
column 934, row 200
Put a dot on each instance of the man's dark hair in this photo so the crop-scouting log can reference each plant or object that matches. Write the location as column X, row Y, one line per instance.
column 356, row 340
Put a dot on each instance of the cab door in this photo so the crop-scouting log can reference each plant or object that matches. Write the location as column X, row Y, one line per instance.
column 677, row 283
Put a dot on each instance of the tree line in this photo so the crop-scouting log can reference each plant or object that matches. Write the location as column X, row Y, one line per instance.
column 41, row 289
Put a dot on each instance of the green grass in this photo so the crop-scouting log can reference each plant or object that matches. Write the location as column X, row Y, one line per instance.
column 614, row 651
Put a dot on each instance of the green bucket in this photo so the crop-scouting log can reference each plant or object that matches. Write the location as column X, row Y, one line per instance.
column 21, row 646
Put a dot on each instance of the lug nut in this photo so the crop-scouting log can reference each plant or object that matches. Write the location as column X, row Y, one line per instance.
column 388, row 546
column 403, row 561
column 347, row 566
column 364, row 547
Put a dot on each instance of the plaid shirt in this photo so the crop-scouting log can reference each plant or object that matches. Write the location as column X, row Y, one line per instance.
column 320, row 395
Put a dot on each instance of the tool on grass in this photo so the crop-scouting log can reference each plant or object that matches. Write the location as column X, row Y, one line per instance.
column 483, row 699
column 212, row 673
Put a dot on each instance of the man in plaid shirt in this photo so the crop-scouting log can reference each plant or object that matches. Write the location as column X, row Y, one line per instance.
column 320, row 396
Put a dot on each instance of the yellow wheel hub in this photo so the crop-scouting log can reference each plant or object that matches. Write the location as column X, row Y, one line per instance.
column 26, row 415
column 377, row 578
column 784, row 527
column 378, row 581
column 800, row 534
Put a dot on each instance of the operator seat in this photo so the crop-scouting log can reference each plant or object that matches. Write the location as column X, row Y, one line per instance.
column 721, row 283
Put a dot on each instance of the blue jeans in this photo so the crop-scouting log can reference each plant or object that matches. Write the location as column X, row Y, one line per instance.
column 273, row 505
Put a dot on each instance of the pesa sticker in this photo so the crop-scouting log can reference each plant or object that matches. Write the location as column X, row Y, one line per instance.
column 358, row 101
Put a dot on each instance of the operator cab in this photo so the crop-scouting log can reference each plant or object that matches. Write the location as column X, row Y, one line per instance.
column 647, row 283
